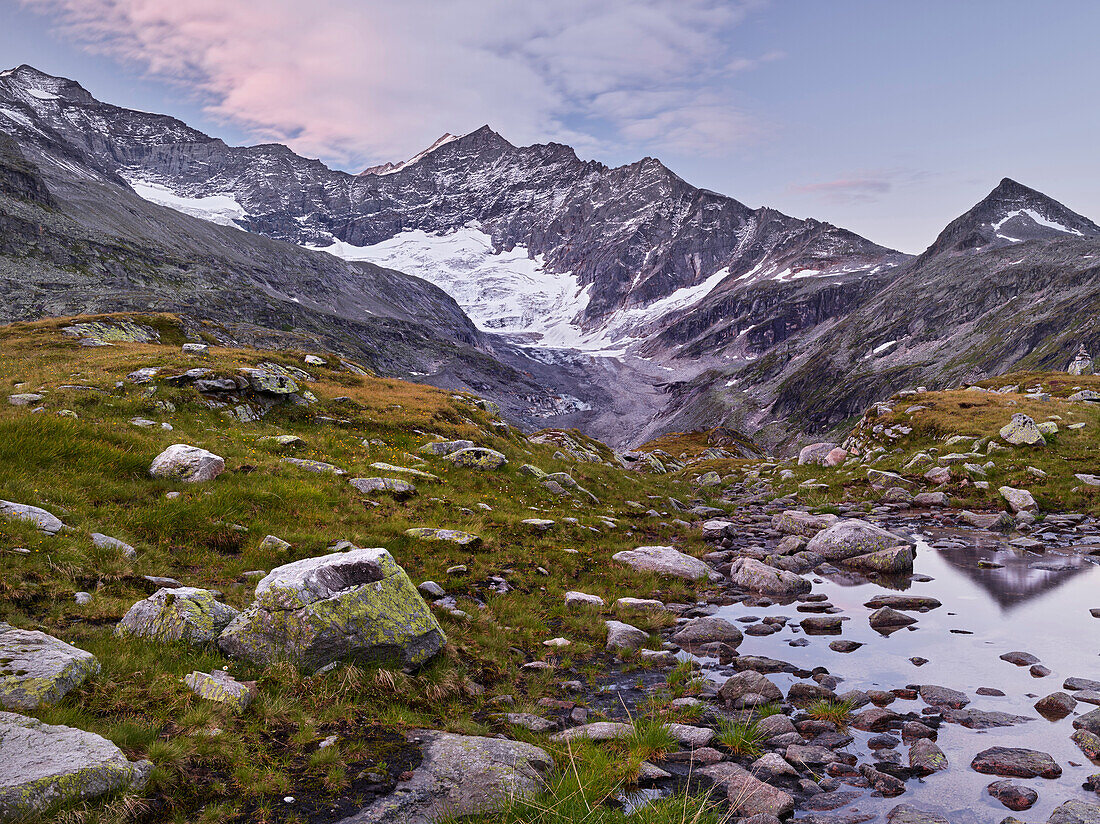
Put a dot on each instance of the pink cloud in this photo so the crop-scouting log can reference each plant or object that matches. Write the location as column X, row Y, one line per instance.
column 357, row 80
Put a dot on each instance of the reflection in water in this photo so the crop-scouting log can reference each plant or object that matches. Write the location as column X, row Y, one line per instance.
column 1015, row 576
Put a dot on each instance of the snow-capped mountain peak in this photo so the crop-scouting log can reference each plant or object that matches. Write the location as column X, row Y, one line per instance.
column 390, row 168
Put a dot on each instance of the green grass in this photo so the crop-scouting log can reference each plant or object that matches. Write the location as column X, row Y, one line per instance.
column 836, row 712
column 741, row 737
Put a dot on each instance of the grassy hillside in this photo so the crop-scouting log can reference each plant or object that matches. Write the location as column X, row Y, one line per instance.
column 82, row 459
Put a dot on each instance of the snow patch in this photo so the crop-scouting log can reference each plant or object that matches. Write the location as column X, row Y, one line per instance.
column 221, row 209
column 1036, row 218
column 390, row 168
column 42, row 95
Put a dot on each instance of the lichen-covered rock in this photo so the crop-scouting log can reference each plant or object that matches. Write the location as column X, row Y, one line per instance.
column 273, row 543
column 394, row 486
column 404, row 470
column 477, row 457
column 806, row 524
column 287, row 442
column 711, row 478
column 319, row 467
column 596, row 731
column 45, row 521
column 270, row 382
column 625, row 636
column 24, row 398
column 1021, row 430
column 851, row 537
column 880, row 477
column 1019, row 500
column 453, row 536
column 444, row 447
column 756, row 576
column 179, row 614
column 815, row 453
column 664, row 560
column 894, row 561
column 43, row 764
column 37, row 669
column 189, row 464
column 747, row 794
column 459, row 775
column 356, row 606
column 218, row 685
column 1075, row 811
column 531, row 471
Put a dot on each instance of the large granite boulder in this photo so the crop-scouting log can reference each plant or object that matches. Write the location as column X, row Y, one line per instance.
column 1019, row 500
column 459, row 775
column 851, row 537
column 42, row 764
column 357, row 605
column 756, row 576
column 815, row 453
column 37, row 669
column 747, row 795
column 45, row 521
column 177, row 614
column 477, row 457
column 444, row 447
column 1021, row 430
column 806, row 524
column 664, row 560
column 707, row 629
column 190, row 464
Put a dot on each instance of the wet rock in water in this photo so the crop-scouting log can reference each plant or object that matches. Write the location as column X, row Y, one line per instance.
column 596, row 731
column 1019, row 500
column 664, row 560
column 802, row 694
column 1088, row 742
column 625, row 636
column 1075, row 812
column 844, row 645
column 177, row 614
column 45, row 521
column 883, row 783
column 37, row 669
column 907, row 814
column 925, row 757
column 397, row 488
column 895, row 561
column 453, row 536
column 886, row 618
column 943, row 697
column 904, row 602
column 189, row 464
column 995, row 521
column 772, row 765
column 1020, row 659
column 989, row 691
column 749, row 682
column 1080, row 684
column 975, row 719
column 705, row 629
column 805, row 524
column 1087, row 696
column 823, row 624
column 1021, row 430
column 357, row 605
column 851, row 537
column 912, row 730
column 875, row 719
column 1012, row 795
column 1056, row 705
column 756, row 576
column 218, row 685
column 1090, row 721
column 1017, row 762
column 477, row 457
column 42, row 765
column 460, row 775
column 747, row 794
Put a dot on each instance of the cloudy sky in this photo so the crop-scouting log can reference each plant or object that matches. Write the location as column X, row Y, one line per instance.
column 889, row 118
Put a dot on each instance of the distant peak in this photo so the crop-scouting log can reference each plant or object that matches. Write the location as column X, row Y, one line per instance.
column 47, row 85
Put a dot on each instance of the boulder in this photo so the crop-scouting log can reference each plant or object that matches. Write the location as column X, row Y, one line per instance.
column 938, row 475
column 1056, row 705
column 749, row 682
column 756, row 576
column 886, row 618
column 45, row 521
column 717, row 528
column 25, row 398
column 836, row 457
column 357, row 605
column 189, row 464
column 996, row 521
column 477, row 457
column 582, row 600
column 43, row 764
column 706, row 629
column 1089, row 721
column 936, row 696
column 1021, row 430
column 1015, row 762
column 931, row 499
column 1014, row 796
column 747, row 794
column 880, row 477
column 317, row 467
column 1088, row 742
column 596, row 731
column 394, row 486
column 1019, row 500
column 444, row 447
column 851, row 537
column 664, row 560
column 815, row 453
column 37, row 669
column 1075, row 811
column 218, row 685
column 178, row 614
column 908, row 814
column 806, row 524
column 625, row 636
column 895, row 561
column 107, row 542
column 925, row 757
column 459, row 775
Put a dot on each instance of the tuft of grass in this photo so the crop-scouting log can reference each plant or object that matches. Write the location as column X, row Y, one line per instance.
column 741, row 737
column 837, row 712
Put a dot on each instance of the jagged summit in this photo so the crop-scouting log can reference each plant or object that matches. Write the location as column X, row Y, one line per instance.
column 1011, row 213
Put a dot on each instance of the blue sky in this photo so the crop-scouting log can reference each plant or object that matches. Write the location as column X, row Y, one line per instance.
column 888, row 118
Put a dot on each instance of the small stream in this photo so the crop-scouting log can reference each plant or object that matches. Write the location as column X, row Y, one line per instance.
column 1036, row 603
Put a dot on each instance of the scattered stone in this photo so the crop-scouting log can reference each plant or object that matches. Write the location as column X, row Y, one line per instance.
column 886, row 618
column 925, row 757
column 319, row 467
column 538, row 524
column 756, row 576
column 453, row 536
column 37, row 669
column 1088, row 742
column 42, row 765
column 1020, row 659
column 1016, row 762
column 1014, row 796
column 529, row 721
column 357, row 606
column 1075, row 812
column 748, row 795
column 582, row 600
column 848, row 538
column 1056, row 705
column 625, row 636
column 843, row 645
column 397, row 488
column 272, row 543
column 1089, row 721
column 1019, row 500
column 218, row 685
column 749, row 683
column 477, row 457
column 896, row 561
column 107, row 542
column 921, row 603
column 45, row 521
column 177, row 614
column 597, row 731
column 706, row 629
column 25, row 398
column 943, row 697
column 189, row 464
column 664, row 560
column 1021, row 430
column 806, row 524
